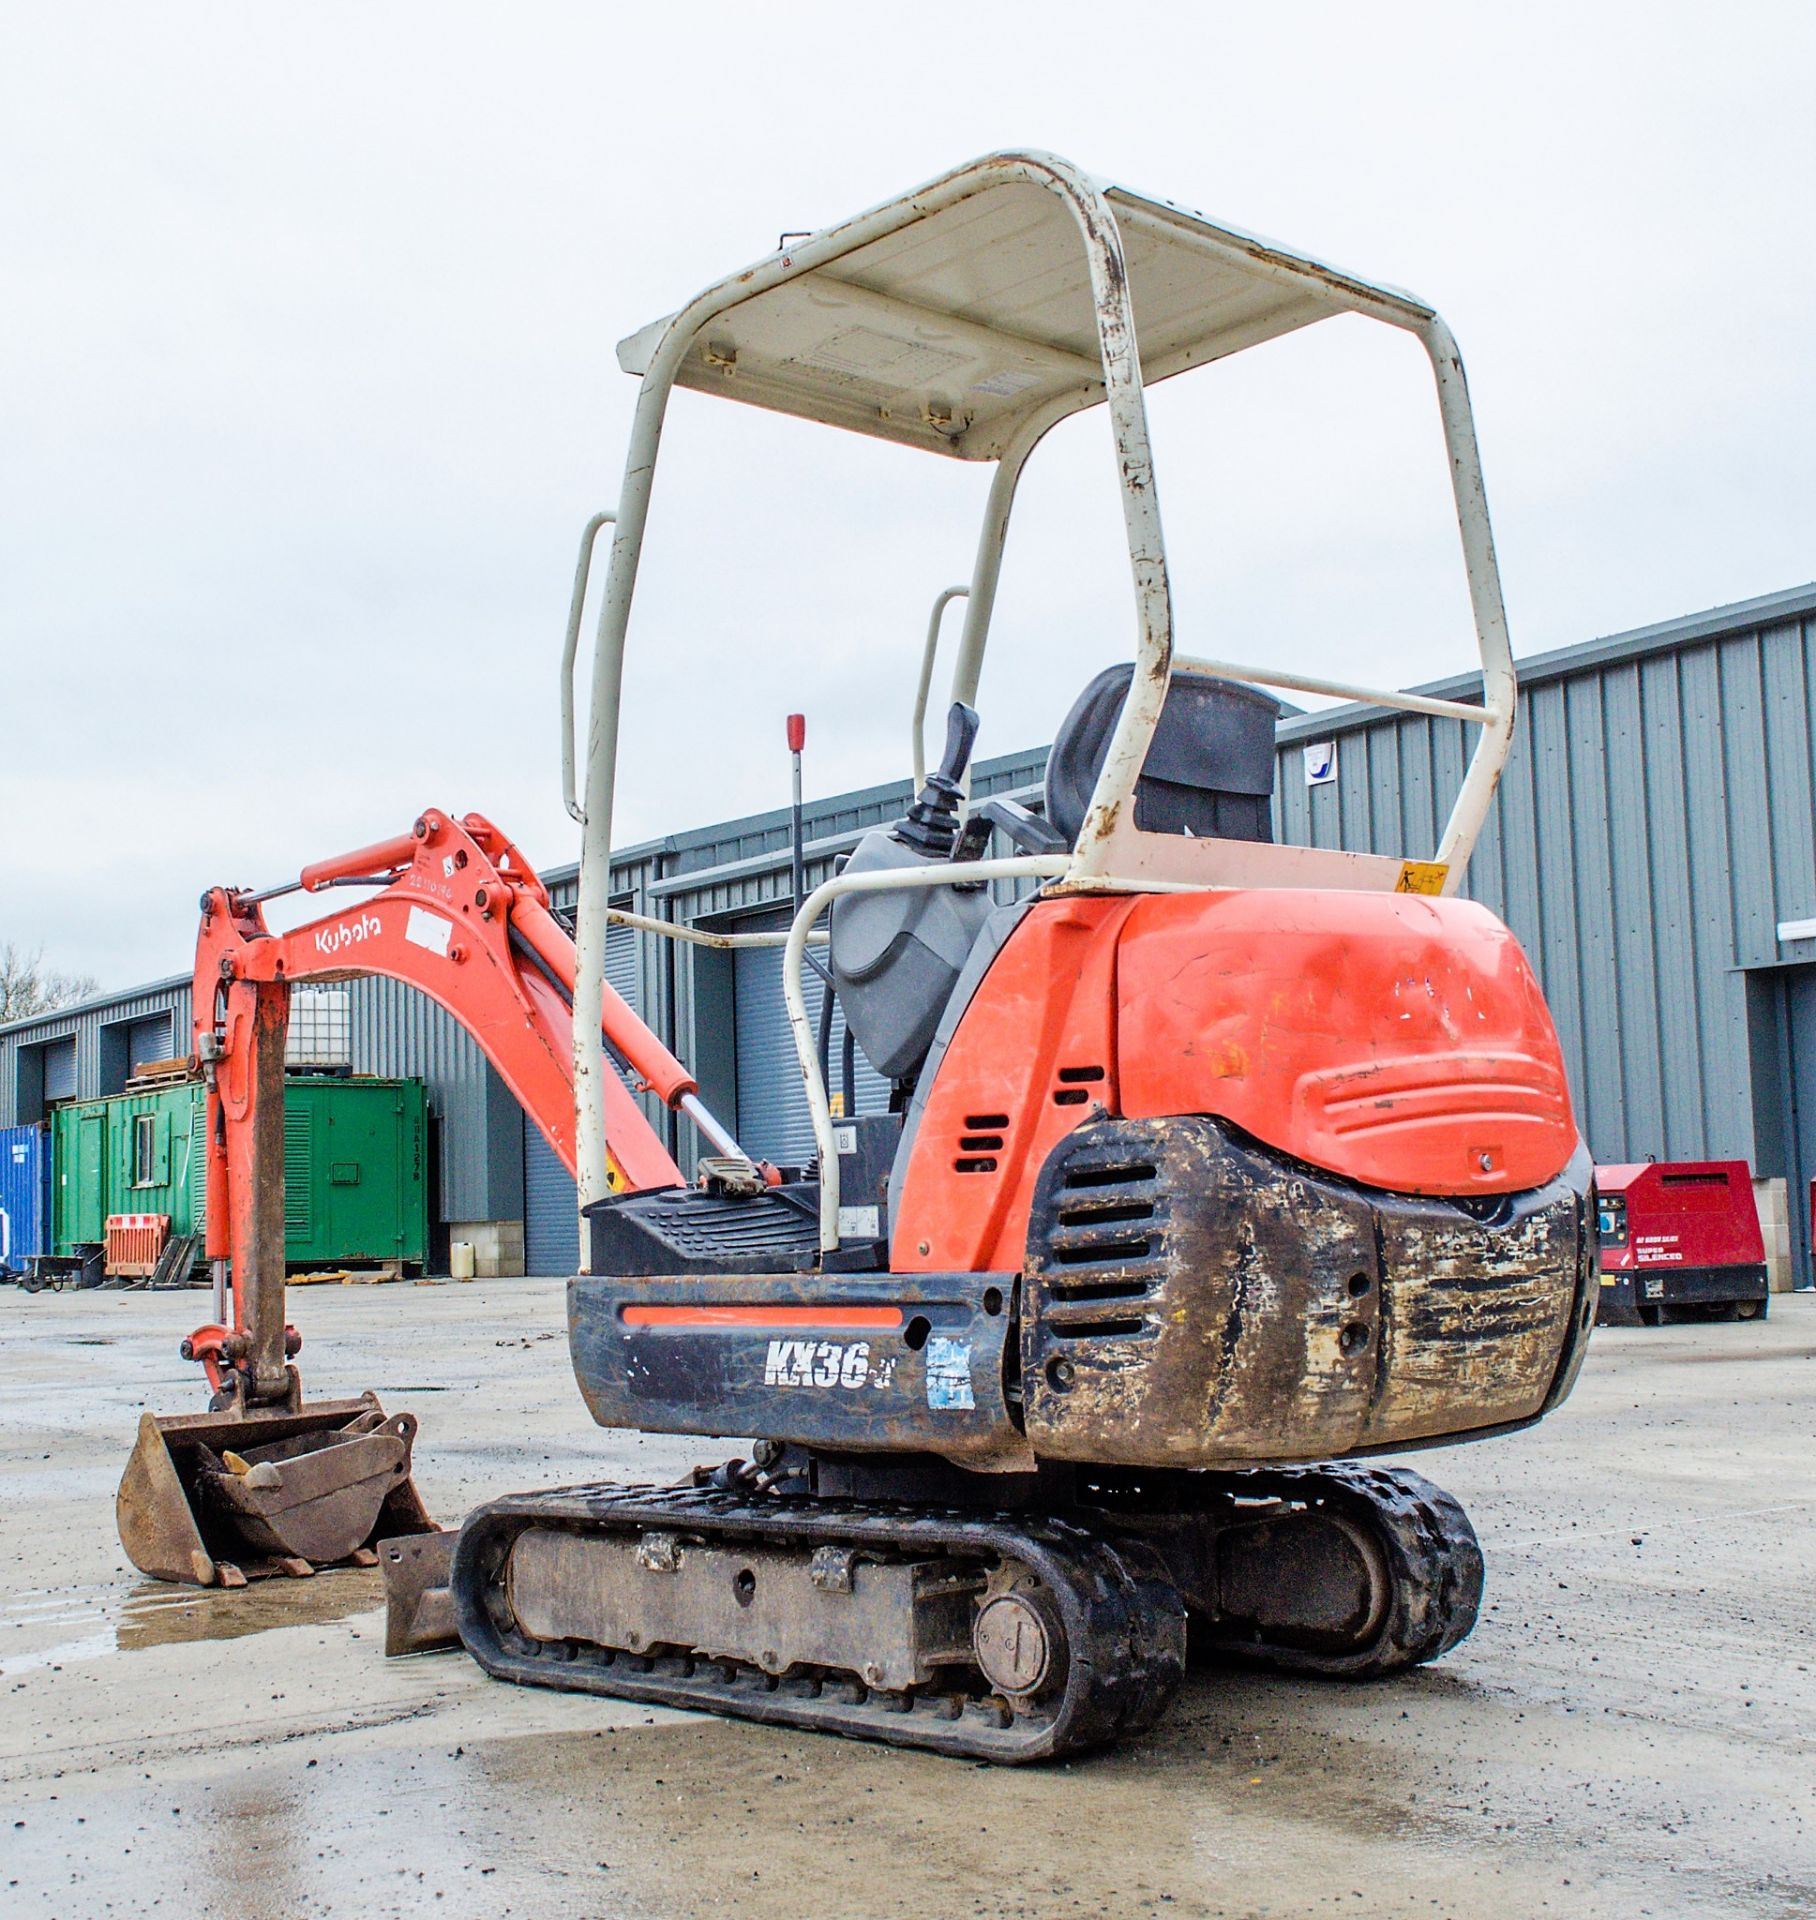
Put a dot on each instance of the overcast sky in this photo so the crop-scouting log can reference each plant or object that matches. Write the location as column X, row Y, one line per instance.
column 307, row 385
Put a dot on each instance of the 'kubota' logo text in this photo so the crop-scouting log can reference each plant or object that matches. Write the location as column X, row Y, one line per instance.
column 348, row 934
column 824, row 1363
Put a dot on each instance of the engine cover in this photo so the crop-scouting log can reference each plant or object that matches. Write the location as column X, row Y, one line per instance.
column 1193, row 1298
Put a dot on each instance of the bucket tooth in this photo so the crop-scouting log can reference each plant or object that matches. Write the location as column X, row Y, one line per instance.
column 208, row 1497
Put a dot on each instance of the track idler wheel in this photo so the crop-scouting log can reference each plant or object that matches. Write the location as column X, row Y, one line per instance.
column 1346, row 1570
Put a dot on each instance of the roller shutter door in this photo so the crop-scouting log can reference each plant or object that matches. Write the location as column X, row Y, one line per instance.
column 551, row 1224
column 60, row 1070
column 551, row 1230
column 148, row 1040
column 773, row 1122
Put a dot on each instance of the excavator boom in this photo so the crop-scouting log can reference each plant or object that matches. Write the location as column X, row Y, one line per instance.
column 263, row 1480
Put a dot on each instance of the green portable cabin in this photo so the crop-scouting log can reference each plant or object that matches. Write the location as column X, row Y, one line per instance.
column 355, row 1185
column 79, row 1184
column 133, row 1153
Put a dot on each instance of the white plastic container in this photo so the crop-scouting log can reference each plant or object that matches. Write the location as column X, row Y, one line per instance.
column 460, row 1259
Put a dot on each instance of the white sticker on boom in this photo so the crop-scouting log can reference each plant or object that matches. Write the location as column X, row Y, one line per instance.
column 859, row 1223
column 429, row 930
column 949, row 1375
column 845, row 1139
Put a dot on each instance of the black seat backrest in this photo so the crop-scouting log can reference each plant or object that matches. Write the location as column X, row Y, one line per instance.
column 1209, row 771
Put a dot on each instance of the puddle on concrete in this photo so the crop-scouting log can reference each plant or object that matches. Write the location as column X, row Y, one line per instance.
column 704, row 1818
column 155, row 1613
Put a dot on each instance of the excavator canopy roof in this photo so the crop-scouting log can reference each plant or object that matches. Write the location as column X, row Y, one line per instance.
column 968, row 316
column 951, row 332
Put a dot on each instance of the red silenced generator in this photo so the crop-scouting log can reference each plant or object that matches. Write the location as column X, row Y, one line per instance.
column 1680, row 1240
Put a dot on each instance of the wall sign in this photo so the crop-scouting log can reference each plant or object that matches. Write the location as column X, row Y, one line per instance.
column 1321, row 763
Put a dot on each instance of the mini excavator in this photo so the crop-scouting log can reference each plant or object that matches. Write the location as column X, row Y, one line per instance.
column 1213, row 1167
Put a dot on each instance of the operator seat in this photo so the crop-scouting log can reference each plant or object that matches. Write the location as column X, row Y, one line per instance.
column 1209, row 770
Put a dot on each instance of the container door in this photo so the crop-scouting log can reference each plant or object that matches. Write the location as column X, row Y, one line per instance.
column 88, row 1209
column 15, row 1184
column 359, row 1176
column 346, row 1157
column 22, row 1191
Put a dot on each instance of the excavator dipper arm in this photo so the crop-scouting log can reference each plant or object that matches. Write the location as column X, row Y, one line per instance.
column 264, row 1482
column 461, row 915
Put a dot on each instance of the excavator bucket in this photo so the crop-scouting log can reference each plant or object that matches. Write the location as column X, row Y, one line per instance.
column 218, row 1499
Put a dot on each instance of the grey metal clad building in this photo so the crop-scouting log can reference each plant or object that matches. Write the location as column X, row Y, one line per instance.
column 82, row 1052
column 1653, row 844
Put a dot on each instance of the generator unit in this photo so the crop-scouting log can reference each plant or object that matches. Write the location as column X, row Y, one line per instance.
column 1680, row 1240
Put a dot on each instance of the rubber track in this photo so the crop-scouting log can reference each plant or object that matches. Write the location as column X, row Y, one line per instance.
column 1124, row 1622
column 1434, row 1565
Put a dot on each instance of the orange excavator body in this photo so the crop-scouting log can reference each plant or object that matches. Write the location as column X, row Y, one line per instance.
column 1399, row 1041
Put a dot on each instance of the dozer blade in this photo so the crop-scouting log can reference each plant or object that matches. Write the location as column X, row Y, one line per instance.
column 419, row 1607
column 213, row 1499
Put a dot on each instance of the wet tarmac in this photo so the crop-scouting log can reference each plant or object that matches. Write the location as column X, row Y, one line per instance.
column 1630, row 1731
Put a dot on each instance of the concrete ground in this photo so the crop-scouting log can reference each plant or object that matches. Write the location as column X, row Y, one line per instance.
column 1630, row 1731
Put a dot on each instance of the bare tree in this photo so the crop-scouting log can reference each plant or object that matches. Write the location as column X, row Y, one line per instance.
column 27, row 986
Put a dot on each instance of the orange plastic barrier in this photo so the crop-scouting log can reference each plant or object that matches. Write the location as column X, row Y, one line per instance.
column 134, row 1241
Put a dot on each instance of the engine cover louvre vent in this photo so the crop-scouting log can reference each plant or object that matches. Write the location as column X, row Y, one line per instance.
column 1075, row 1085
column 1102, row 1257
column 984, row 1137
column 1190, row 1295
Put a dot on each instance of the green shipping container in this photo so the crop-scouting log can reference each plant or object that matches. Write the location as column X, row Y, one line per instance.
column 355, row 1185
